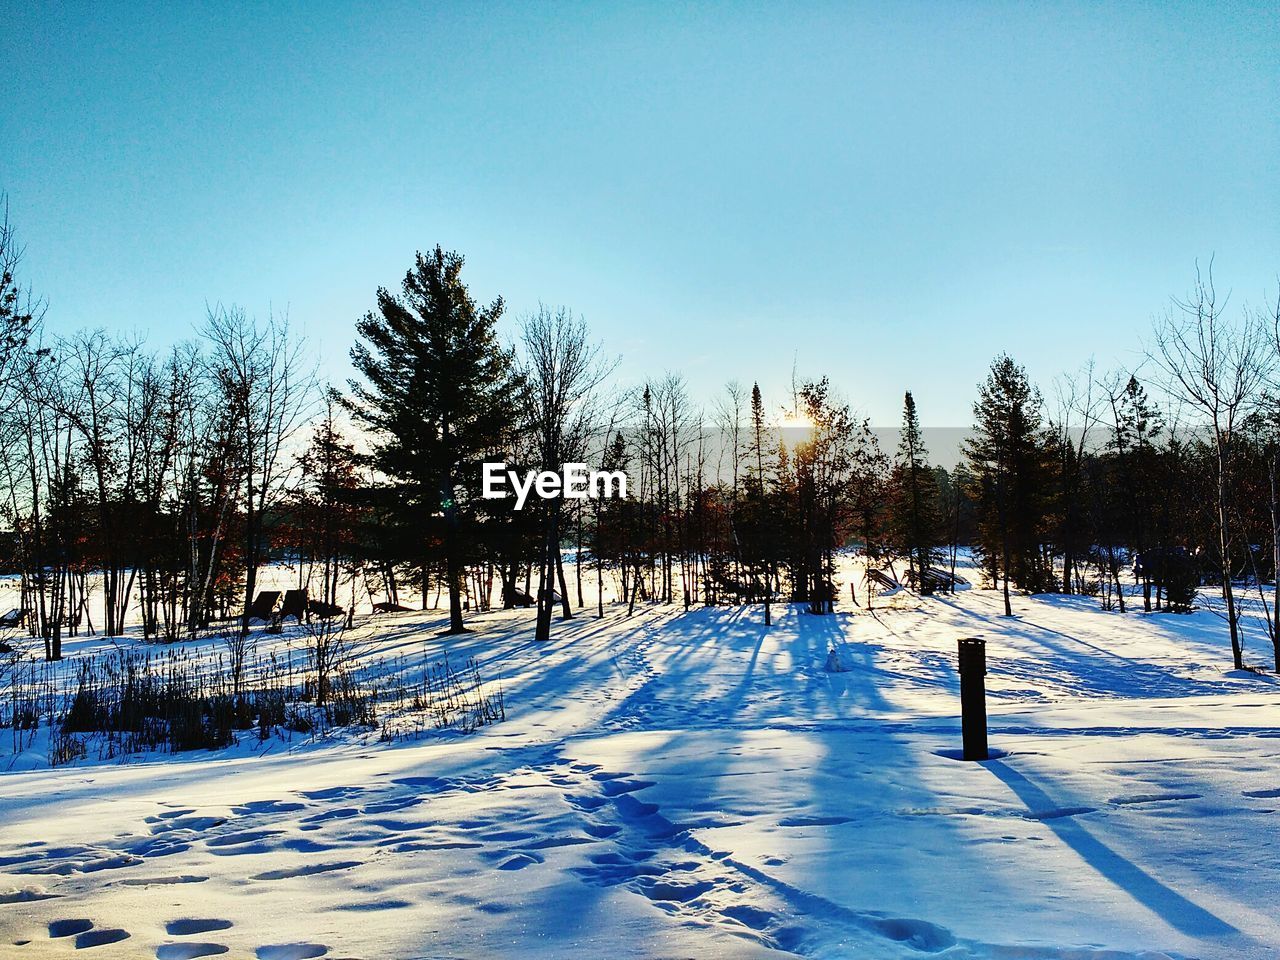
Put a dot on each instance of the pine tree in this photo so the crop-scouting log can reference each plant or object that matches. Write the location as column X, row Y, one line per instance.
column 869, row 496
column 1006, row 458
column 438, row 396
column 915, row 517
column 1137, row 424
column 836, row 468
column 757, row 520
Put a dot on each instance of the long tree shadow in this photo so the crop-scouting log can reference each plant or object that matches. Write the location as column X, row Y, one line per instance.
column 1172, row 907
column 721, row 667
column 754, row 734
column 1089, row 668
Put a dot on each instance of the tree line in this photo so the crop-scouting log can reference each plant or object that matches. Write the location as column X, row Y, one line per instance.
column 163, row 482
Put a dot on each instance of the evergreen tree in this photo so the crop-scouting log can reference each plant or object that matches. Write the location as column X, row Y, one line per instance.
column 1136, row 426
column 836, row 470
column 438, row 397
column 757, row 519
column 1006, row 458
column 1108, row 526
column 915, row 516
column 869, row 497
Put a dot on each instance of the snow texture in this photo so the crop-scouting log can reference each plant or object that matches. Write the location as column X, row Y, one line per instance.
column 694, row 784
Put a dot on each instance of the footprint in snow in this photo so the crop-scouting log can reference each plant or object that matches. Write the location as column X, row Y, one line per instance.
column 303, row 845
column 99, row 938
column 190, row 951
column 749, row 916
column 27, row 895
column 160, row 846
column 547, row 843
column 341, row 813
column 629, row 808
column 919, row 934
column 164, row 823
column 267, row 806
column 398, row 846
column 394, row 826
column 674, row 891
column 244, row 836
column 162, row 881
column 306, row 871
column 617, row 787
column 390, row 806
column 438, row 783
column 69, row 928
column 189, row 926
column 291, row 951
column 84, row 866
column 330, row 793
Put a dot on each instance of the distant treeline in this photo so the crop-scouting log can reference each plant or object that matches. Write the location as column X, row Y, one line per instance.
column 171, row 479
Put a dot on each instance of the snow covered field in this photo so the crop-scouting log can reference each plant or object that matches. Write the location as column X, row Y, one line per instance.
column 694, row 785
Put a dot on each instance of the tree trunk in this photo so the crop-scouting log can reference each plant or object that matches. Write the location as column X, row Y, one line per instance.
column 1004, row 550
column 578, row 564
column 453, row 570
column 599, row 576
column 1224, row 546
column 566, row 612
column 546, row 571
column 1275, row 558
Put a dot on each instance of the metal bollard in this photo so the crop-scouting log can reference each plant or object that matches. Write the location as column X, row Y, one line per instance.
column 973, row 697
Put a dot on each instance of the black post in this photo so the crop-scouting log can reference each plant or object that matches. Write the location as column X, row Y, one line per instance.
column 973, row 697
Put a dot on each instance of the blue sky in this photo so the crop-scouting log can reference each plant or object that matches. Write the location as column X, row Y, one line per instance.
column 888, row 194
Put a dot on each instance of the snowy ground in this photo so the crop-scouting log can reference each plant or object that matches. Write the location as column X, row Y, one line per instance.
column 694, row 785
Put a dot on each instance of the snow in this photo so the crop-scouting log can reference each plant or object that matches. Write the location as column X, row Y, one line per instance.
column 695, row 784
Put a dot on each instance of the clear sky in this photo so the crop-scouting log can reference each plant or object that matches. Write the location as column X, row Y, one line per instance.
column 885, row 193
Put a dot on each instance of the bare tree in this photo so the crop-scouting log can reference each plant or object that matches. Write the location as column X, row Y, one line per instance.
column 207, row 471
column 1218, row 368
column 1078, row 413
column 731, row 417
column 261, row 369
column 47, row 456
column 563, row 372
column 1271, row 319
column 667, row 431
column 94, row 402
column 20, row 311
